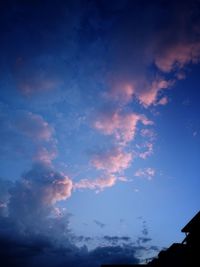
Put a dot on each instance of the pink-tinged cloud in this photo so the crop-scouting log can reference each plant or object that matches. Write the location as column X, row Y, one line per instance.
column 59, row 189
column 148, row 173
column 44, row 155
column 34, row 126
column 42, row 187
column 163, row 101
column 177, row 56
column 149, row 96
column 122, row 92
column 148, row 151
column 97, row 184
column 113, row 161
column 122, row 126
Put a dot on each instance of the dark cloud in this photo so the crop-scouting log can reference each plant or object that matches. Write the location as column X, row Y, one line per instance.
column 4, row 196
column 33, row 234
column 115, row 240
column 40, row 252
column 142, row 240
column 145, row 230
column 26, row 135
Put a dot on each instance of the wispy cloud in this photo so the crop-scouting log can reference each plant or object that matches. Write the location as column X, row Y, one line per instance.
column 148, row 173
column 34, row 126
column 147, row 150
column 100, row 224
column 97, row 184
column 35, row 135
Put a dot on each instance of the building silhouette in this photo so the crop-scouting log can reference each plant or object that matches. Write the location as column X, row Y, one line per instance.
column 182, row 254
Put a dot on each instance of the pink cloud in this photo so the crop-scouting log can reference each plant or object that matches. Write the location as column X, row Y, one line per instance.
column 177, row 56
column 60, row 189
column 45, row 155
column 34, row 126
column 149, row 96
column 96, row 184
column 122, row 126
column 113, row 161
column 121, row 92
column 45, row 186
column 163, row 101
column 145, row 173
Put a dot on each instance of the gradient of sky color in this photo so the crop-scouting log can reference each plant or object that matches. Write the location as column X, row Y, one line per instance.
column 99, row 128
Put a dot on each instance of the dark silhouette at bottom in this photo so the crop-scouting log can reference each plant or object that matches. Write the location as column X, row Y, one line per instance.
column 182, row 254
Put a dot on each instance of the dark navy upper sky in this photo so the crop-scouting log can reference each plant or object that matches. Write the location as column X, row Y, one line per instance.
column 99, row 129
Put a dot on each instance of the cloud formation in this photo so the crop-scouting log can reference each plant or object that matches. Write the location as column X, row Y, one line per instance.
column 100, row 224
column 113, row 161
column 121, row 126
column 150, row 95
column 27, row 135
column 148, row 173
column 32, row 198
column 97, row 184
column 34, row 126
column 122, row 93
column 177, row 55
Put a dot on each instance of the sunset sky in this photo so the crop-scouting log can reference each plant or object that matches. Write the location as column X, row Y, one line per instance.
column 99, row 129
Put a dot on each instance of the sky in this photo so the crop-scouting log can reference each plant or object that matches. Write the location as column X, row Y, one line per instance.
column 99, row 129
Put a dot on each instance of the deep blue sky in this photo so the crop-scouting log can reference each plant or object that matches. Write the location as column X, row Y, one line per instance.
column 99, row 129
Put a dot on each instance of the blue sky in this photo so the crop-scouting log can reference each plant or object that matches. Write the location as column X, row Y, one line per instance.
column 99, row 114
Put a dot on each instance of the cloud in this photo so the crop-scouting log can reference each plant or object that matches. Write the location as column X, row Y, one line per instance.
column 148, row 150
column 27, row 135
column 29, row 206
column 45, row 155
column 145, row 230
column 31, row 236
column 116, row 239
column 177, row 55
column 4, row 196
column 142, row 240
column 149, row 133
column 150, row 95
column 39, row 251
column 34, row 126
column 96, row 184
column 100, row 224
column 32, row 198
column 163, row 101
column 122, row 93
column 122, row 126
column 41, row 133
column 145, row 91
column 113, row 161
column 148, row 173
column 115, row 255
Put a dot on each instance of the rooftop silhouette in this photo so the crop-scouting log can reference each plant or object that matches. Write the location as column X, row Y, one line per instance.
column 178, row 254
